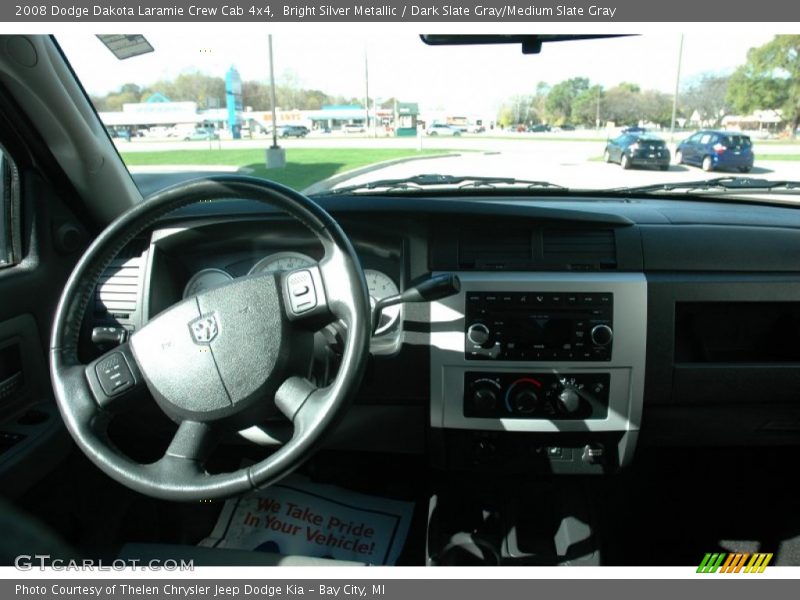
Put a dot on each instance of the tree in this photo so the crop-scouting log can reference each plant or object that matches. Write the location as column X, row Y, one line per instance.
column 708, row 97
column 505, row 116
column 587, row 106
column 209, row 92
column 655, row 107
column 129, row 93
column 518, row 110
column 561, row 96
column 629, row 87
column 627, row 104
column 205, row 90
column 256, row 95
column 622, row 104
column 770, row 79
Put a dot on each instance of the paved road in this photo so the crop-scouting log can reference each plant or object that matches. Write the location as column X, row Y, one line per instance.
column 518, row 142
column 572, row 163
column 571, row 173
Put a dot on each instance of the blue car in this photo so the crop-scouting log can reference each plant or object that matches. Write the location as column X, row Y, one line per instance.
column 711, row 150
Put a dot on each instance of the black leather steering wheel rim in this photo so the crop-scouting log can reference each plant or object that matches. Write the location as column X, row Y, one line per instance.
column 179, row 474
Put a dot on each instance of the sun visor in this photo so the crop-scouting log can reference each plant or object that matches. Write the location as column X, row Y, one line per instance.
column 126, row 46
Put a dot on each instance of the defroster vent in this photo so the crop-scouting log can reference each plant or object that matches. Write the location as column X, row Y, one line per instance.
column 579, row 248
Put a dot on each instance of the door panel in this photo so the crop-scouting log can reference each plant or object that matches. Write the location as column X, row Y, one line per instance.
column 50, row 240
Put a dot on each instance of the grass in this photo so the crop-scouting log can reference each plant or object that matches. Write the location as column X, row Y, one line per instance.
column 777, row 156
column 304, row 166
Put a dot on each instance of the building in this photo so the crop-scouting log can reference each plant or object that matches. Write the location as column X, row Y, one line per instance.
column 760, row 120
column 159, row 114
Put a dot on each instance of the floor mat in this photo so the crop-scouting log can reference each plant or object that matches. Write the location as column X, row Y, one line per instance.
column 298, row 516
column 676, row 505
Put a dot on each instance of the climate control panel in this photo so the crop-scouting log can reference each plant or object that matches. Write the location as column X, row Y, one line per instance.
column 545, row 395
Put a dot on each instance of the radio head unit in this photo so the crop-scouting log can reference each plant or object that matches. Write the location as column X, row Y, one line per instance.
column 539, row 326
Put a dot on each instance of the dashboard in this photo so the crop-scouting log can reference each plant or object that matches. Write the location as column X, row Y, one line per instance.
column 584, row 327
column 209, row 255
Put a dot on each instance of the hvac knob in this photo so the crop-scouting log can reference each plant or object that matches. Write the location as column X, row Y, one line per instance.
column 524, row 400
column 601, row 335
column 478, row 334
column 569, row 400
column 484, row 399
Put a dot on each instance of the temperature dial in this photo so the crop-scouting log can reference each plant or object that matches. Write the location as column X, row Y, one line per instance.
column 525, row 401
column 522, row 396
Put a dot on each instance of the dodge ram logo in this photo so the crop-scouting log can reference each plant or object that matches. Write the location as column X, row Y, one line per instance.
column 204, row 329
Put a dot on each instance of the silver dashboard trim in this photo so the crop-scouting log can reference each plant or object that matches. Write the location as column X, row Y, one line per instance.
column 626, row 367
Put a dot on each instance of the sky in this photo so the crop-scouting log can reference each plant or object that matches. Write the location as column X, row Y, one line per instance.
column 465, row 79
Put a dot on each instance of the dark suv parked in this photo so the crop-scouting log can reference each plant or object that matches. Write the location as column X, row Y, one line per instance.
column 638, row 149
column 712, row 150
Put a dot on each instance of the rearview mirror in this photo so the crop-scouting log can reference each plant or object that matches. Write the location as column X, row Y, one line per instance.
column 531, row 43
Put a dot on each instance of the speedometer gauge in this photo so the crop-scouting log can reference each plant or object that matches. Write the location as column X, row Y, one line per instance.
column 282, row 261
column 381, row 286
column 205, row 280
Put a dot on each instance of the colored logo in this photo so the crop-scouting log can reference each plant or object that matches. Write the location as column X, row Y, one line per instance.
column 739, row 562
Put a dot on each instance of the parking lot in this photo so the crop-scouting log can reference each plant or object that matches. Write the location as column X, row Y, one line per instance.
column 573, row 161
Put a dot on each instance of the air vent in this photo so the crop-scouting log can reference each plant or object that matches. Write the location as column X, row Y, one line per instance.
column 588, row 248
column 495, row 248
column 117, row 292
column 118, row 289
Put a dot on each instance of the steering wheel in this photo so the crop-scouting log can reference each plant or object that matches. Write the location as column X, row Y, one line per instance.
column 217, row 362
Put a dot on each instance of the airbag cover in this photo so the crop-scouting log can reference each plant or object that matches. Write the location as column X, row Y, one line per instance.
column 217, row 353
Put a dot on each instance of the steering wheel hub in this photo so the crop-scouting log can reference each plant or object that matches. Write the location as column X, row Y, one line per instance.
column 217, row 356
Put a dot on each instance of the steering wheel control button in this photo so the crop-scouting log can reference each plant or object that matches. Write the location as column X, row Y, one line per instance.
column 302, row 295
column 300, row 290
column 114, row 374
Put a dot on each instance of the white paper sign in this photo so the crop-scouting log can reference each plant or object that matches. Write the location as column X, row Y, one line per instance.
column 299, row 517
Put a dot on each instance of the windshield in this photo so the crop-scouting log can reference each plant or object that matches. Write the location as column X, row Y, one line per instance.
column 596, row 114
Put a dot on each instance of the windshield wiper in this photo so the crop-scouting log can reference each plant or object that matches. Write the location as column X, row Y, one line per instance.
column 724, row 184
column 417, row 182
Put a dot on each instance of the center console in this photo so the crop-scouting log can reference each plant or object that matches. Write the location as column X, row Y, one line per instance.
column 539, row 371
column 531, row 373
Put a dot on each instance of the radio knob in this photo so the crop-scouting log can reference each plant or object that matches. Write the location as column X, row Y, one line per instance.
column 478, row 334
column 569, row 400
column 602, row 335
column 524, row 401
column 484, row 399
